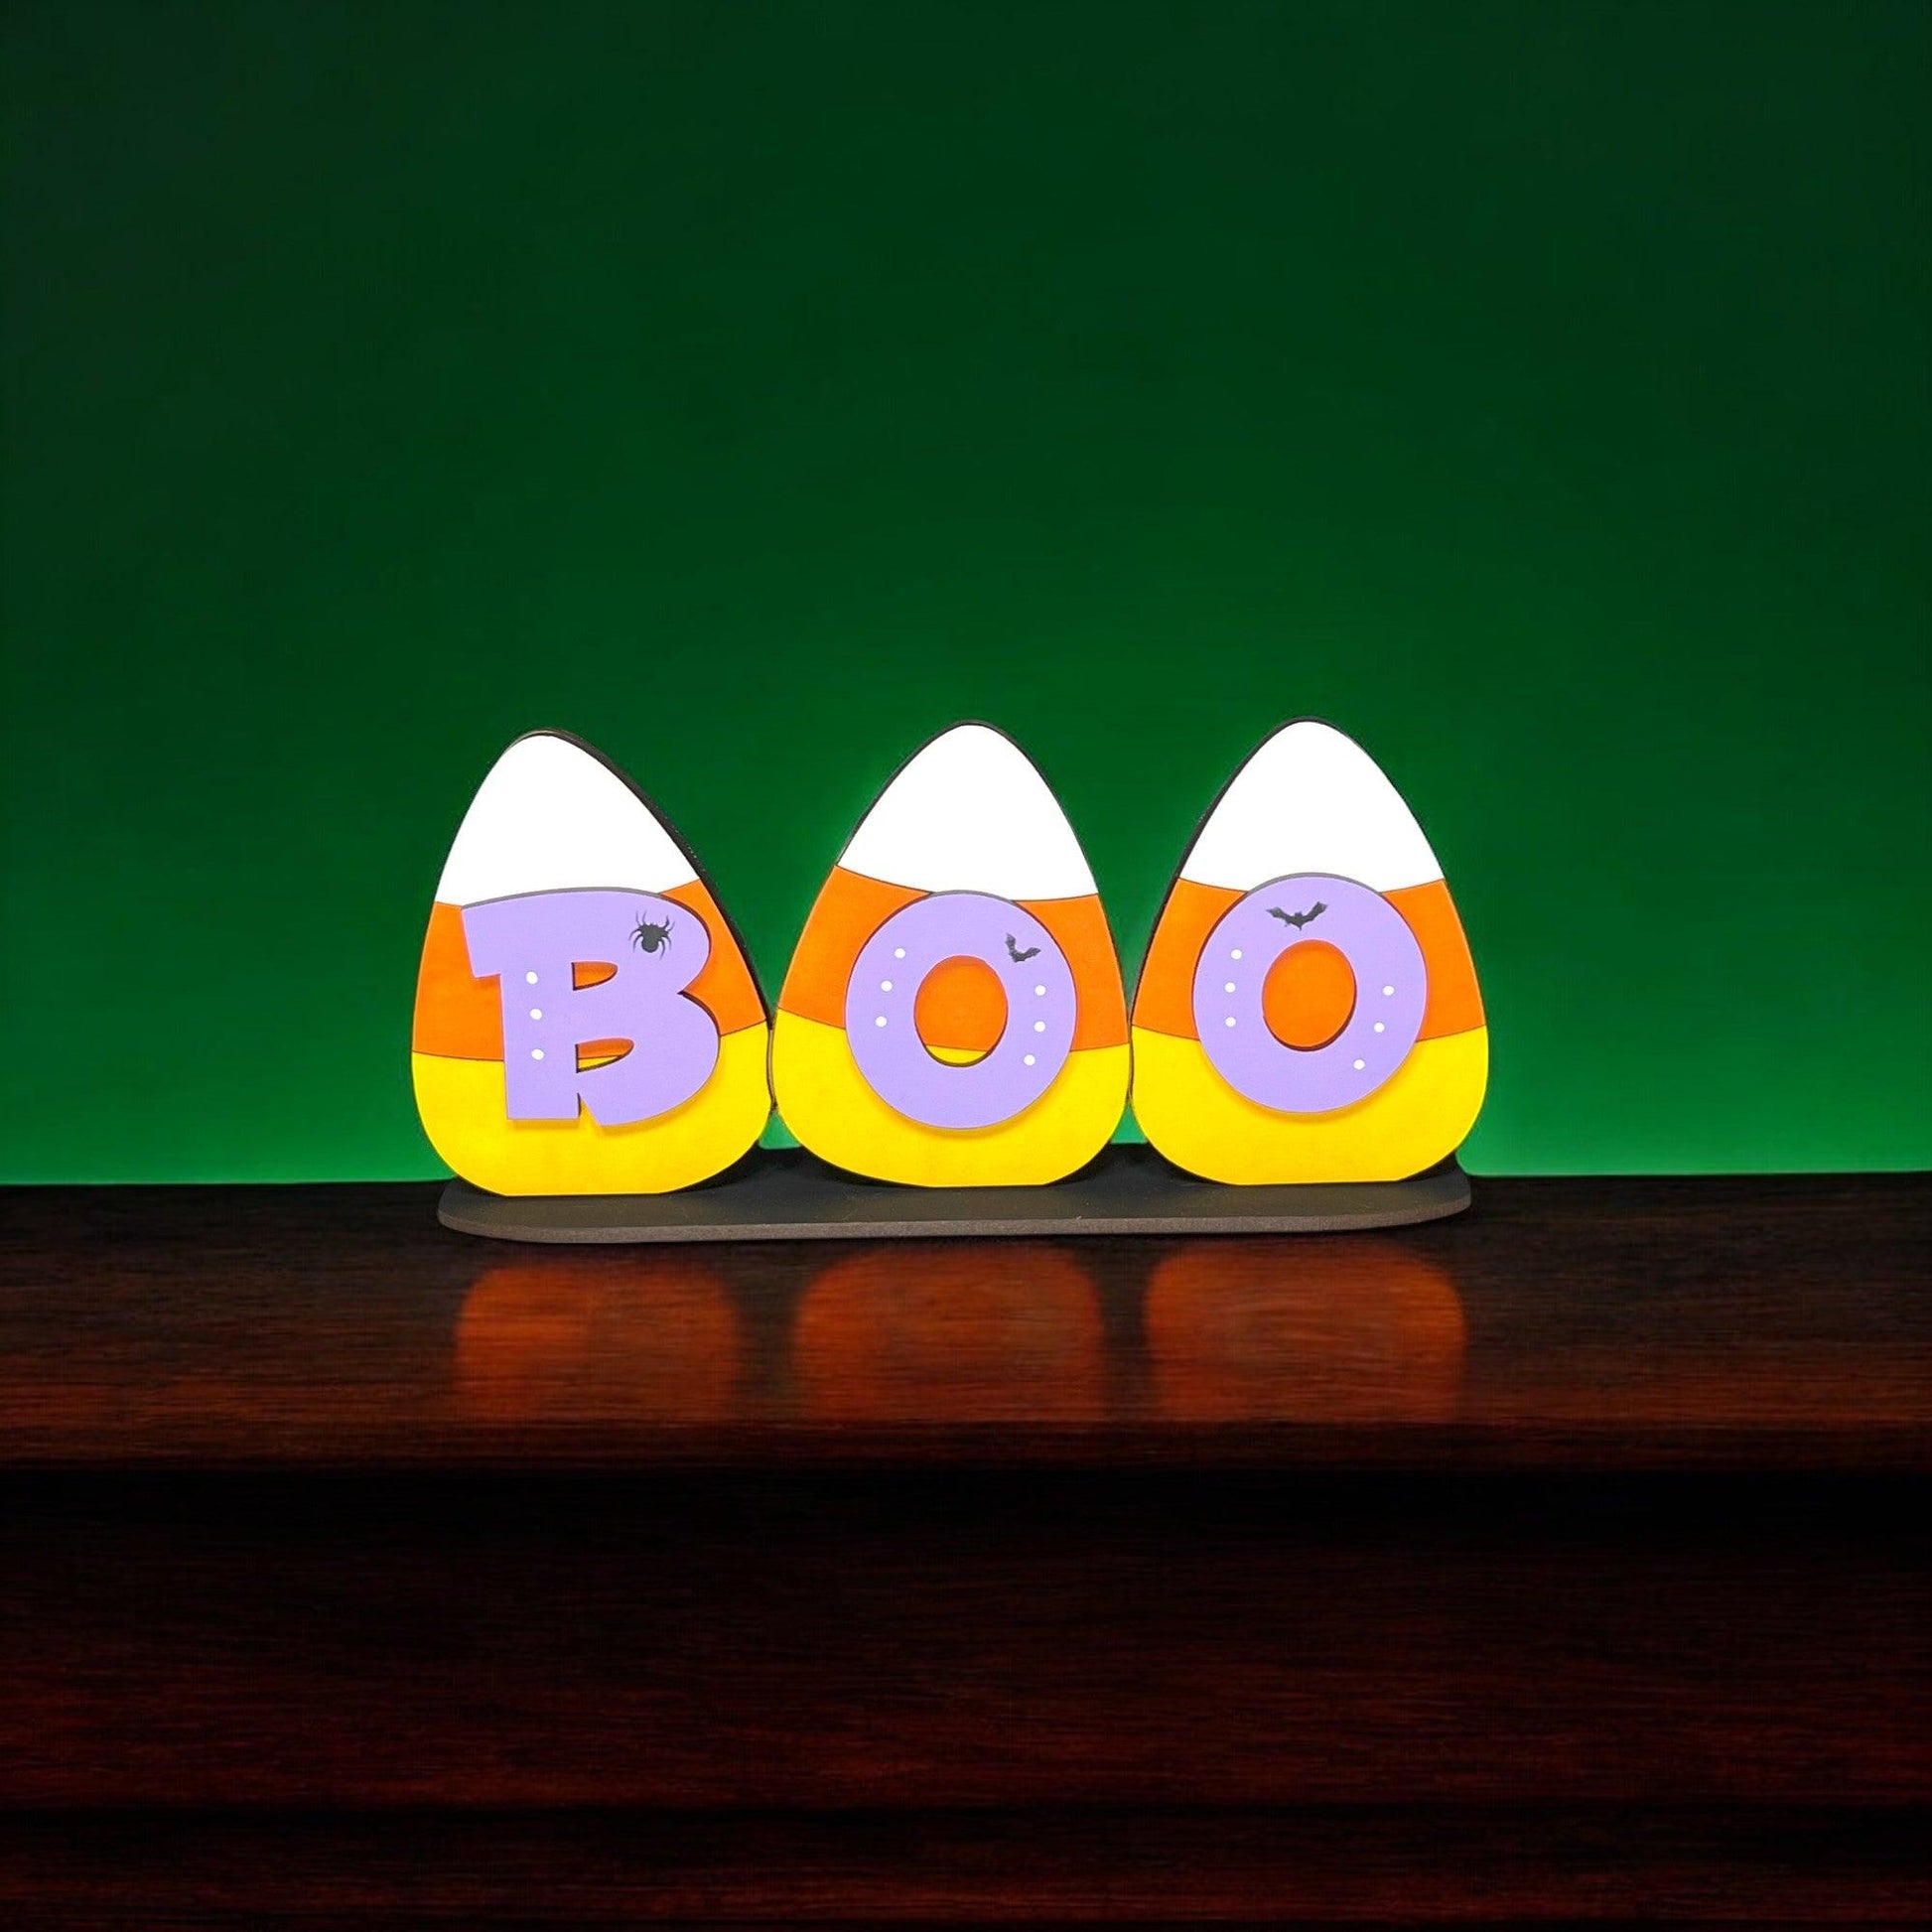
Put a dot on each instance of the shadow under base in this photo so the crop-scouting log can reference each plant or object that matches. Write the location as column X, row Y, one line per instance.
column 787, row 1195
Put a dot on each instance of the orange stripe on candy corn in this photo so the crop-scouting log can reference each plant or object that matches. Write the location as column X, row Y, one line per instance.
column 1164, row 1002
column 459, row 1015
column 1455, row 998
column 850, row 907
column 725, row 989
column 961, row 1008
column 1080, row 925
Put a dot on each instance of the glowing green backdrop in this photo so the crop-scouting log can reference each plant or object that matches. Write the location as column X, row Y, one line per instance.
column 1538, row 391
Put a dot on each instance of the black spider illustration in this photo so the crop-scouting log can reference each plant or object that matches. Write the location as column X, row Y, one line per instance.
column 1298, row 920
column 1014, row 954
column 651, row 934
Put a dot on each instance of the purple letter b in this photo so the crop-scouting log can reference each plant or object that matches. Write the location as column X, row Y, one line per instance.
column 659, row 948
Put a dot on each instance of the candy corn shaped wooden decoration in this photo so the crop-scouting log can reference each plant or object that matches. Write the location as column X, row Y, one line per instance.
column 587, row 1022
column 1308, row 1008
column 953, row 1015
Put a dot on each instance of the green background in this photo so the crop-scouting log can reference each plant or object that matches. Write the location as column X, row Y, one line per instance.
column 1538, row 391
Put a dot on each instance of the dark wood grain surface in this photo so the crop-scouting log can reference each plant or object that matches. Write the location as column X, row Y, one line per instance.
column 1628, row 1323
column 1568, row 1561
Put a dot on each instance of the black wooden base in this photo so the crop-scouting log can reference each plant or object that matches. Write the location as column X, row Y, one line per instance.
column 788, row 1195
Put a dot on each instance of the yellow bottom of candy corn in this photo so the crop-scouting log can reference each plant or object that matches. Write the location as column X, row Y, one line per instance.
column 825, row 1101
column 1194, row 1118
column 461, row 1106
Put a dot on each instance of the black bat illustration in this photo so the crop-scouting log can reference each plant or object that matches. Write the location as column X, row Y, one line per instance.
column 1013, row 950
column 1298, row 920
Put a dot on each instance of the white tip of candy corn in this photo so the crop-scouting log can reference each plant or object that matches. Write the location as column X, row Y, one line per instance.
column 970, row 814
column 1311, row 799
column 551, row 817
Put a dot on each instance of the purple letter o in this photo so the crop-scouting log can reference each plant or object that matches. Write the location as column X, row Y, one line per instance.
column 1391, row 981
column 1042, row 1003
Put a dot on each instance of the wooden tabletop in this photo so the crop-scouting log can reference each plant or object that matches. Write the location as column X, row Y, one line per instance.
column 1560, row 1561
column 1770, row 1322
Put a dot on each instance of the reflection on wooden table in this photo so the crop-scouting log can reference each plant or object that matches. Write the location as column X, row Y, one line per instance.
column 1321, row 1329
column 1562, row 1322
column 656, row 1337
column 1328, row 1328
column 963, row 1332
